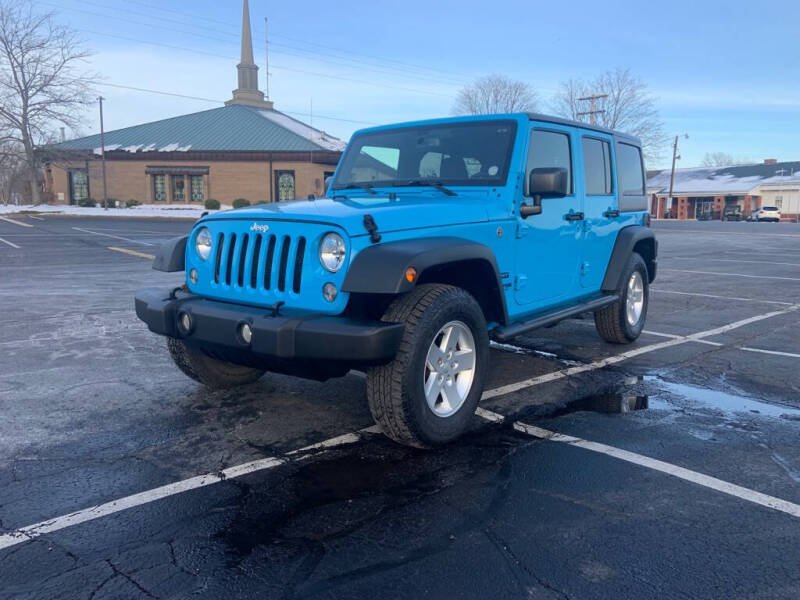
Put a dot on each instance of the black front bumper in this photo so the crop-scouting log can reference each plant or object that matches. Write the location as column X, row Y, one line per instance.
column 309, row 337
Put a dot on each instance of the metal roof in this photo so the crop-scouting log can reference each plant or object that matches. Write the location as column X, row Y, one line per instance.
column 720, row 181
column 228, row 128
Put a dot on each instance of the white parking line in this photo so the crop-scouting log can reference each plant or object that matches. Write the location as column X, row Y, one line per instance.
column 675, row 337
column 30, row 532
column 664, row 467
column 617, row 358
column 728, row 274
column 766, row 261
column 13, row 222
column 116, row 237
column 651, row 463
column 12, row 244
column 774, row 352
column 660, row 291
column 132, row 252
column 749, row 234
column 37, row 218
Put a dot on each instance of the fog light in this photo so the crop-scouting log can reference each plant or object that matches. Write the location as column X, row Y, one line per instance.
column 330, row 292
column 193, row 276
column 185, row 323
column 246, row 332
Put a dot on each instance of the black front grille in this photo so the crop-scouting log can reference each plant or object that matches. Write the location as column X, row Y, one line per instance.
column 279, row 257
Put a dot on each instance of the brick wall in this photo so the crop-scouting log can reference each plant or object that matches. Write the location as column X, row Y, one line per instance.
column 226, row 180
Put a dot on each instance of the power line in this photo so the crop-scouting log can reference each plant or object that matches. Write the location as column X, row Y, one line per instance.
column 183, row 13
column 215, row 101
column 414, row 71
column 315, row 73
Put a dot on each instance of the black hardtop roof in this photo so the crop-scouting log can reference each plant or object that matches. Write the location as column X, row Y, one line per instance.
column 561, row 121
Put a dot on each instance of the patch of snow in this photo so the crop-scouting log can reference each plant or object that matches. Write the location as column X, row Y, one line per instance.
column 132, row 149
column 316, row 136
column 149, row 148
column 706, row 179
column 109, row 148
column 173, row 211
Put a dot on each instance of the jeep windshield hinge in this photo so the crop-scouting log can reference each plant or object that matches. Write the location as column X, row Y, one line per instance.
column 372, row 229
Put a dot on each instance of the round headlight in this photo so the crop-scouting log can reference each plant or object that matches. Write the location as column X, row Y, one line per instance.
column 331, row 252
column 202, row 243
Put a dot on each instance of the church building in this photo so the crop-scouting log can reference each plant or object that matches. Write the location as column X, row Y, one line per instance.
column 244, row 149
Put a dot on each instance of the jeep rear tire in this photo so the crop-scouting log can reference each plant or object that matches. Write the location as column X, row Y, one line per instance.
column 622, row 322
column 428, row 394
column 211, row 372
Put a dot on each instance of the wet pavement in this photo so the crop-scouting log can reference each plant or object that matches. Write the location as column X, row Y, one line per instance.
column 93, row 411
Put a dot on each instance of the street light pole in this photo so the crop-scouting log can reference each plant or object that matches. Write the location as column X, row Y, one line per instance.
column 103, row 154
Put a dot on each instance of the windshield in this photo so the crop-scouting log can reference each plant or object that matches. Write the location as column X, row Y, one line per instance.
column 472, row 153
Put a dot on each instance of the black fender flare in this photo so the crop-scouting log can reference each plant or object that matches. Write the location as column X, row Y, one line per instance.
column 171, row 256
column 627, row 239
column 381, row 268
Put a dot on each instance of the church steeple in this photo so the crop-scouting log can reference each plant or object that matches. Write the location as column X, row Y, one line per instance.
column 248, row 93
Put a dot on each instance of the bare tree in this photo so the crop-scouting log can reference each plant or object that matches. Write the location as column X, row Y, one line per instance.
column 722, row 159
column 495, row 94
column 12, row 172
column 622, row 103
column 42, row 80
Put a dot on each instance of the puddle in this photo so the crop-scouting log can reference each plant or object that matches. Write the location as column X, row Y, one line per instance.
column 724, row 401
column 610, row 403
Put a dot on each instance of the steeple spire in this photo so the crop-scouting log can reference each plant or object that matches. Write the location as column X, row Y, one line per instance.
column 248, row 93
column 247, row 37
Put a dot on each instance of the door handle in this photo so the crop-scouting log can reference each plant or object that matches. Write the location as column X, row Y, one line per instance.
column 578, row 216
column 611, row 214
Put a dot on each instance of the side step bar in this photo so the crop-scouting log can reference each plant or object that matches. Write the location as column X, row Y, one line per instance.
column 503, row 334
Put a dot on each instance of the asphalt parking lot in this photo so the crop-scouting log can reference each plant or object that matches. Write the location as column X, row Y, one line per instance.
column 665, row 469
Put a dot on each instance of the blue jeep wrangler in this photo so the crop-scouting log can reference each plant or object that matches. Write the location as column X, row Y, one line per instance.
column 434, row 238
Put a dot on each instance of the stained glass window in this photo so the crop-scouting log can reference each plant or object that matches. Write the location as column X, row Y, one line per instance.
column 160, row 188
column 196, row 182
column 284, row 182
column 178, row 188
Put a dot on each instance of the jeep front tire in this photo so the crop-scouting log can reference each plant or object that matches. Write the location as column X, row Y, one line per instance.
column 211, row 372
column 622, row 322
column 428, row 394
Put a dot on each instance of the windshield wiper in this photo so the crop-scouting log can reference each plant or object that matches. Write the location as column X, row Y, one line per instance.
column 434, row 184
column 360, row 186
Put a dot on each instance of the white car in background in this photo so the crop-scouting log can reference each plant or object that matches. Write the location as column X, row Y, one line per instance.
column 767, row 213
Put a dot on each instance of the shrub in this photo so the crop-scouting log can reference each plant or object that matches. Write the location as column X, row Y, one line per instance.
column 241, row 202
column 212, row 204
column 87, row 203
column 131, row 203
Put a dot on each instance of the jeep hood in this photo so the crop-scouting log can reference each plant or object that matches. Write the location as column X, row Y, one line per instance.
column 405, row 212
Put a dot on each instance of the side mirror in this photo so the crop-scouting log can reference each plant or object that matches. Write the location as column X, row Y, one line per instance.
column 328, row 181
column 548, row 182
column 545, row 182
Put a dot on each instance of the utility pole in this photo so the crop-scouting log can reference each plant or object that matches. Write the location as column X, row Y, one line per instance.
column 592, row 112
column 672, row 175
column 103, row 154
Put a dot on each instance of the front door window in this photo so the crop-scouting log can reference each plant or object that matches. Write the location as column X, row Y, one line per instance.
column 178, row 188
column 78, row 187
column 284, row 184
column 160, row 188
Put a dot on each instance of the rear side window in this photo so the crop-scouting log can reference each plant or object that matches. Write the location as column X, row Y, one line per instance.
column 549, row 149
column 597, row 167
column 629, row 170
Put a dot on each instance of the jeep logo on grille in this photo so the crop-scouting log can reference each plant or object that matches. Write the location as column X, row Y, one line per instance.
column 261, row 228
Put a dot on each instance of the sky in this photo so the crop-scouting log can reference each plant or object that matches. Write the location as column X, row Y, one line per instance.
column 725, row 73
